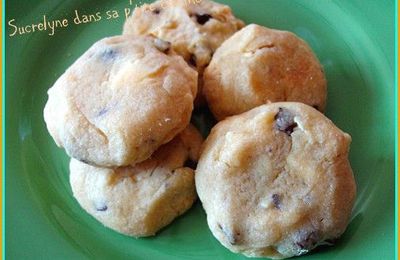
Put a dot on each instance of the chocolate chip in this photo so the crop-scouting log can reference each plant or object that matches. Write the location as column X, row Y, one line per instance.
column 109, row 54
column 236, row 238
column 276, row 200
column 285, row 121
column 152, row 171
column 203, row 18
column 307, row 240
column 161, row 45
column 102, row 208
column 316, row 107
column 233, row 237
column 102, row 112
column 193, row 60
column 156, row 11
column 84, row 161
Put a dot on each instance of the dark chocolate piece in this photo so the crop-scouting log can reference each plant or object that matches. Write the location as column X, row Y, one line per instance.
column 102, row 208
column 84, row 161
column 102, row 112
column 285, row 121
column 276, row 200
column 203, row 18
column 109, row 54
column 308, row 240
column 233, row 237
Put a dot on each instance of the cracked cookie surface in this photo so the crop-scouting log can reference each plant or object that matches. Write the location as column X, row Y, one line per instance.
column 258, row 65
column 194, row 28
column 120, row 101
column 276, row 181
column 140, row 200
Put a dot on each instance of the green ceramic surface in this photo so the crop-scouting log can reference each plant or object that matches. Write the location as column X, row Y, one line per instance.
column 354, row 40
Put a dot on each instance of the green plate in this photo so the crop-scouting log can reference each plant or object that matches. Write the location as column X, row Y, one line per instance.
column 353, row 39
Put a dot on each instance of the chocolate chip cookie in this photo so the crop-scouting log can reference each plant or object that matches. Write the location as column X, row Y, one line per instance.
column 258, row 65
column 120, row 101
column 276, row 181
column 140, row 200
column 195, row 28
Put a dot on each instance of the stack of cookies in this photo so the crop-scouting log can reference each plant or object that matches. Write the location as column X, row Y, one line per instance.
column 273, row 175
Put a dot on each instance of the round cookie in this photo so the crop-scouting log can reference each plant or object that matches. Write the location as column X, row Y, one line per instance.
column 195, row 28
column 258, row 65
column 140, row 200
column 120, row 101
column 276, row 181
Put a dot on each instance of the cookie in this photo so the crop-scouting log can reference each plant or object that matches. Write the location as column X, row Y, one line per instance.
column 195, row 28
column 120, row 101
column 140, row 200
column 258, row 65
column 276, row 181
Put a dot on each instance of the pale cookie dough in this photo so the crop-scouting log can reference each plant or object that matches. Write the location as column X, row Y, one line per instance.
column 140, row 200
column 195, row 28
column 120, row 101
column 276, row 181
column 258, row 65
